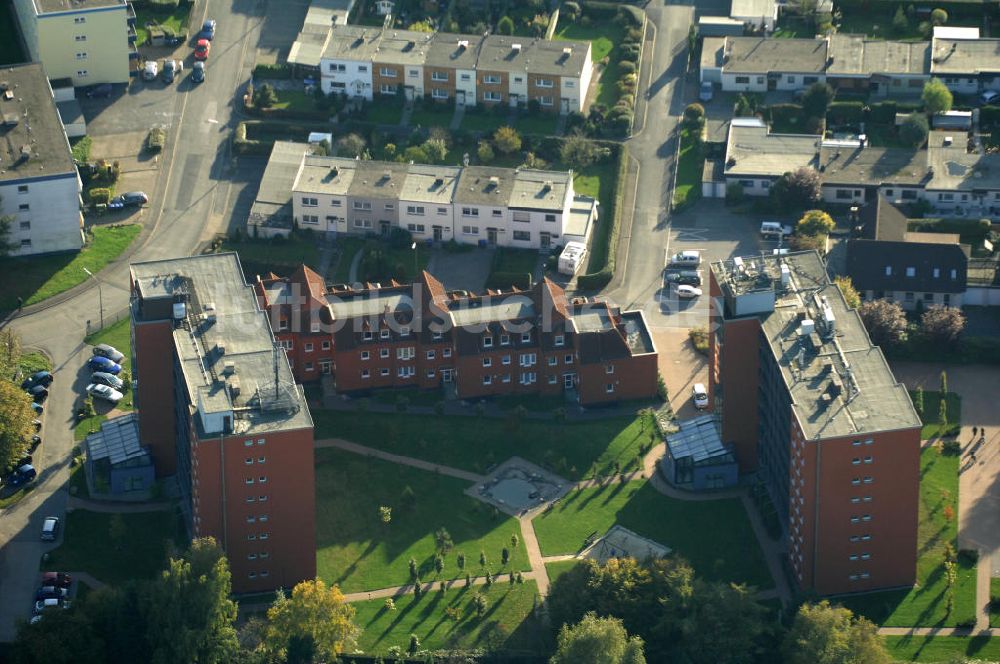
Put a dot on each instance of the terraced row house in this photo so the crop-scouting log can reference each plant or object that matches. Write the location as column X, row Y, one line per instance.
column 522, row 208
column 965, row 62
column 464, row 70
column 469, row 346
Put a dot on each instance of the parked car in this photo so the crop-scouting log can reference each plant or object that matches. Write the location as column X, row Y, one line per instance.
column 43, row 378
column 110, row 352
column 54, row 603
column 202, row 49
column 23, row 475
column 687, row 292
column 171, row 68
column 102, row 378
column 104, row 392
column 102, row 90
column 686, row 259
column 700, row 396
column 37, row 424
column 100, row 363
column 131, row 199
column 705, row 93
column 686, row 277
column 198, row 72
column 51, row 592
column 50, row 529
column 151, row 70
column 989, row 96
column 39, row 393
column 58, row 579
column 35, row 442
column 207, row 30
column 774, row 229
column 25, row 461
column 37, row 407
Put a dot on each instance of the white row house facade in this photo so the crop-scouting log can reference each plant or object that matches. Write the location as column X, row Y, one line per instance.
column 464, row 70
column 523, row 208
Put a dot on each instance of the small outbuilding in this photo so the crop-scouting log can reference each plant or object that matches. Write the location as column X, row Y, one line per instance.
column 697, row 458
column 116, row 462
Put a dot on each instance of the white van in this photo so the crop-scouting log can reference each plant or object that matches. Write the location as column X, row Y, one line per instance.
column 50, row 528
column 773, row 229
column 151, row 70
column 686, row 259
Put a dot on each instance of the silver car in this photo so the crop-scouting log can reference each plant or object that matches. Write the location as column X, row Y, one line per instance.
column 104, row 378
column 104, row 392
column 110, row 352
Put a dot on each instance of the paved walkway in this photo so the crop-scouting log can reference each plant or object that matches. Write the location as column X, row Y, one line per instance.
column 348, row 446
column 352, row 276
column 541, row 576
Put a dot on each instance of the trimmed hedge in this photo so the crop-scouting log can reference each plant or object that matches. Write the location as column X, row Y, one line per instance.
column 884, row 112
column 989, row 117
column 846, row 112
column 785, row 113
column 602, row 277
column 100, row 195
column 276, row 71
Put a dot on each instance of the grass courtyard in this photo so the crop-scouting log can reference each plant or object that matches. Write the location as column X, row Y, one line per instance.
column 604, row 38
column 449, row 620
column 689, row 169
column 942, row 648
column 576, row 450
column 37, row 279
column 139, row 553
column 929, row 416
column 714, row 536
column 358, row 552
column 924, row 605
column 175, row 20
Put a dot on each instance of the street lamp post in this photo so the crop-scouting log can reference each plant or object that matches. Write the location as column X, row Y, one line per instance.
column 100, row 294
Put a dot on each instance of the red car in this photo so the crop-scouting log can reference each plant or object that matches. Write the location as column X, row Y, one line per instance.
column 201, row 49
column 57, row 579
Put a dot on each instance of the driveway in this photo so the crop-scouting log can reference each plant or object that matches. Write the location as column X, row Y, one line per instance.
column 682, row 366
column 979, row 485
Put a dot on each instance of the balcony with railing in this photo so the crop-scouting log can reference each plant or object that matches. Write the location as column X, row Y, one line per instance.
column 130, row 13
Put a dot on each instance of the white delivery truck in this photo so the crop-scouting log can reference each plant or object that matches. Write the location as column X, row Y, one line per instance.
column 572, row 257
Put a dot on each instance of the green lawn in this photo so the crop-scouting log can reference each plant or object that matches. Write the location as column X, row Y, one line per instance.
column 16, row 496
column 295, row 100
column 433, row 115
column 557, row 569
column 87, row 545
column 878, row 24
column 924, row 605
column 385, row 112
column 348, row 247
column 33, row 362
column 714, row 536
column 81, row 148
column 942, row 648
column 484, row 121
column 603, row 38
column 278, row 255
column 520, row 261
column 599, row 181
column 543, row 123
column 118, row 335
column 413, row 396
column 10, row 44
column 37, row 279
column 930, row 415
column 358, row 552
column 175, row 20
column 87, row 426
column 689, row 169
column 575, row 450
column 994, row 609
column 507, row 623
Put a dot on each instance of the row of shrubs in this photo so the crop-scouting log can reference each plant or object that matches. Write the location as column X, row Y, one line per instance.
column 160, row 5
column 846, row 112
column 276, row 71
column 601, row 278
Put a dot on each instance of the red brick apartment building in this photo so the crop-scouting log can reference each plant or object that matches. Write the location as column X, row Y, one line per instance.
column 472, row 346
column 812, row 407
column 219, row 408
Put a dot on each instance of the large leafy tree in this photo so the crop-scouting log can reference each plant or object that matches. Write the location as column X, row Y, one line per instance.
column 815, row 222
column 507, row 140
column 597, row 641
column 15, row 422
column 825, row 634
column 798, row 189
column 884, row 320
column 942, row 325
column 10, row 354
column 190, row 617
column 936, row 97
column 315, row 616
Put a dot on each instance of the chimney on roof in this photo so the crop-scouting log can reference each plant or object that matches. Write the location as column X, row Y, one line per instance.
column 515, row 47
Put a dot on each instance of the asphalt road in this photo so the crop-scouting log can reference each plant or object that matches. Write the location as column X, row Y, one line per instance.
column 196, row 185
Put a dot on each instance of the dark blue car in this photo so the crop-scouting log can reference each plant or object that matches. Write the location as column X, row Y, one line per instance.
column 43, row 378
column 98, row 363
column 207, row 30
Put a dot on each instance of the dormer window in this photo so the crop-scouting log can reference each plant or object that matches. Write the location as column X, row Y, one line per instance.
column 487, row 341
column 384, row 334
column 504, row 339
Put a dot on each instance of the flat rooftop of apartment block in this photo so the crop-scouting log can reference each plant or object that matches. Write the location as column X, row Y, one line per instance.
column 227, row 352
column 840, row 384
column 32, row 140
column 52, row 6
